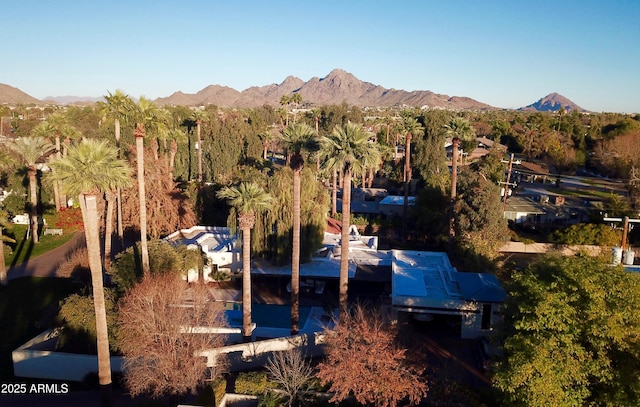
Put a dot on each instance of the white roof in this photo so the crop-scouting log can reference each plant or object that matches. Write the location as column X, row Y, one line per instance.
column 428, row 280
column 209, row 238
column 423, row 274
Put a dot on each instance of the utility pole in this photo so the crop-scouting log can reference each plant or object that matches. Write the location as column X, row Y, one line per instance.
column 625, row 227
column 507, row 184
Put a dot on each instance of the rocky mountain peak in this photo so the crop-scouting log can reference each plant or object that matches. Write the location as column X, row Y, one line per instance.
column 552, row 103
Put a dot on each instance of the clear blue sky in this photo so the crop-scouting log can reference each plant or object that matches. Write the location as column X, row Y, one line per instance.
column 505, row 53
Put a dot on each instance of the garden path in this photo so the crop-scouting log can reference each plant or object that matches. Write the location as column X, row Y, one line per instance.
column 46, row 265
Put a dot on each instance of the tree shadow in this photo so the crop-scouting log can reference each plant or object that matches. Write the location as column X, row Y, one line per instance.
column 18, row 251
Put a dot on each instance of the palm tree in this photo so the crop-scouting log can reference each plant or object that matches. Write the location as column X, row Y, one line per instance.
column 347, row 147
column 4, row 222
column 266, row 136
column 295, row 138
column 459, row 129
column 148, row 120
column 163, row 133
column 199, row 116
column 53, row 126
column 175, row 135
column 315, row 114
column 92, row 167
column 31, row 149
column 296, row 98
column 285, row 100
column 118, row 107
column 6, row 162
column 139, row 134
column 411, row 128
column 248, row 199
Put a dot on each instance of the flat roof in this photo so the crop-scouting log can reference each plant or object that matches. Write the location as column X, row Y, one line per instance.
column 422, row 274
column 428, row 279
column 397, row 200
column 480, row 287
column 323, row 267
column 524, row 205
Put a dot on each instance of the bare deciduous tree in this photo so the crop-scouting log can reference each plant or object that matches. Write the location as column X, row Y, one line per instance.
column 292, row 372
column 168, row 207
column 364, row 361
column 158, row 320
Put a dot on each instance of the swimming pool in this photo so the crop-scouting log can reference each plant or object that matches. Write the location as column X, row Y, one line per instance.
column 266, row 315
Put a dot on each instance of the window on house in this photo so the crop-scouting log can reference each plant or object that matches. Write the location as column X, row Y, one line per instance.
column 486, row 316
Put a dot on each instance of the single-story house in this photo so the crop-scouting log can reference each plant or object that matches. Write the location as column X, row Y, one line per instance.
column 222, row 248
column 393, row 205
column 545, row 210
column 425, row 284
column 528, row 172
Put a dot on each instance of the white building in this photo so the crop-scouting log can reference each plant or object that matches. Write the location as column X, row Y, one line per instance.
column 222, row 249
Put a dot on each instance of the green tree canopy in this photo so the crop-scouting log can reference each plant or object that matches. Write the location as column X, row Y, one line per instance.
column 587, row 233
column 480, row 225
column 571, row 335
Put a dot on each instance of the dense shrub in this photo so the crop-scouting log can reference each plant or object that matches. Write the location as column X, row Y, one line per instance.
column 78, row 319
column 253, row 383
column 163, row 258
column 587, row 233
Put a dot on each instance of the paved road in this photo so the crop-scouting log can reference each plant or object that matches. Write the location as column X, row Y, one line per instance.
column 46, row 265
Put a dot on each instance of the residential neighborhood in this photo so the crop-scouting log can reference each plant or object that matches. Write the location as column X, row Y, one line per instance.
column 256, row 204
column 421, row 287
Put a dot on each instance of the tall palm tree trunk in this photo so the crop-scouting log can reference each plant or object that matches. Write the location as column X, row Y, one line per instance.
column 57, row 199
column 56, row 195
column 108, row 230
column 199, row 152
column 3, row 267
column 317, row 119
column 295, row 255
column 119, row 225
column 90, row 217
column 344, row 242
column 60, row 199
column 334, row 193
column 454, row 183
column 173, row 150
column 33, row 196
column 246, row 283
column 407, row 183
column 139, row 133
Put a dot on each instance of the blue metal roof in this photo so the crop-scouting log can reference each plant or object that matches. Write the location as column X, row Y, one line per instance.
column 480, row 287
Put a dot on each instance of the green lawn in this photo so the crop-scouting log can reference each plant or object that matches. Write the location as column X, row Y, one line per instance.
column 582, row 192
column 28, row 306
column 24, row 249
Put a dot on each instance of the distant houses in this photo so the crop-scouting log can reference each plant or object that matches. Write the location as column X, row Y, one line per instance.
column 372, row 202
column 482, row 148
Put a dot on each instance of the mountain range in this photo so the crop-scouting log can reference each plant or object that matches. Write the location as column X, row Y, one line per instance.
column 337, row 87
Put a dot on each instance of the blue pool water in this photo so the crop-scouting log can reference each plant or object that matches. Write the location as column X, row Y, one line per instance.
column 266, row 315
